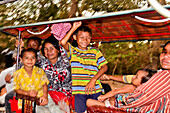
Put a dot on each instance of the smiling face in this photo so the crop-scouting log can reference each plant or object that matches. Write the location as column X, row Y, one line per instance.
column 50, row 52
column 33, row 44
column 83, row 39
column 165, row 57
column 28, row 59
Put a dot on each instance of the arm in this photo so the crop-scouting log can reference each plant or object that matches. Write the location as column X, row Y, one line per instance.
column 117, row 78
column 6, row 75
column 44, row 98
column 19, row 91
column 8, row 78
column 64, row 41
column 125, row 89
column 31, row 93
column 2, row 79
column 21, row 43
column 15, row 52
column 91, row 85
column 124, row 78
column 111, row 77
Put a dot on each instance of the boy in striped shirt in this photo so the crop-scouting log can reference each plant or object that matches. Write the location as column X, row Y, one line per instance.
column 87, row 65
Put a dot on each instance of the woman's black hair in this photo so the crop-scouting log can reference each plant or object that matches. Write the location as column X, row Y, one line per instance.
column 28, row 50
column 165, row 44
column 52, row 40
column 150, row 72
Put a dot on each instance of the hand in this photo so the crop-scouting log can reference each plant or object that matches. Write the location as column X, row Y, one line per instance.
column 33, row 93
column 17, row 43
column 77, row 24
column 105, row 77
column 8, row 78
column 90, row 86
column 101, row 98
column 43, row 101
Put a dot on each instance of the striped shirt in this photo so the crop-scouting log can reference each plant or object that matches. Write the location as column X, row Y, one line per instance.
column 150, row 97
column 127, row 78
column 84, row 65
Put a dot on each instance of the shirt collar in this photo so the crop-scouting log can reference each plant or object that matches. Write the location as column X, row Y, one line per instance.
column 82, row 50
column 58, row 60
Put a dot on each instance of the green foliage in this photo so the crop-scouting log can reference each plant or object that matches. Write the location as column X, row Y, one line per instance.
column 119, row 55
column 106, row 5
column 31, row 11
column 127, row 57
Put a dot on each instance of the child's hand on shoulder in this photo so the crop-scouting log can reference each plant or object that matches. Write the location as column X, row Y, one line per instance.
column 77, row 24
column 33, row 93
column 43, row 101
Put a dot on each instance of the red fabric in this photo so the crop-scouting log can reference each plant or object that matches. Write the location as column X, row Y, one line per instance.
column 59, row 30
column 14, row 105
column 103, row 109
column 72, row 102
column 58, row 96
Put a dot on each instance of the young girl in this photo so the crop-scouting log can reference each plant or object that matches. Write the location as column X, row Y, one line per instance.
column 31, row 80
column 141, row 76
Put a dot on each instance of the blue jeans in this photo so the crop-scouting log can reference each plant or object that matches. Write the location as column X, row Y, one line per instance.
column 7, row 104
column 80, row 101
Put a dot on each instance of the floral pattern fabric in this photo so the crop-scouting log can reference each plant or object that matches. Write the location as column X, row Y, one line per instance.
column 35, row 82
column 59, row 74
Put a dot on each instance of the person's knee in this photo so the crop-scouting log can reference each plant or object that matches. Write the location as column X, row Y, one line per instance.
column 42, row 109
column 88, row 102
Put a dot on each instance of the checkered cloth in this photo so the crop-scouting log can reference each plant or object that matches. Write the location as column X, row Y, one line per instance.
column 59, row 30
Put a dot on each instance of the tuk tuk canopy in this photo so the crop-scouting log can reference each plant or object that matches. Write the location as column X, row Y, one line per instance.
column 129, row 25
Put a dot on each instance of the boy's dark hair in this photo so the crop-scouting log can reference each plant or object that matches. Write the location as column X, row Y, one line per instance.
column 52, row 40
column 36, row 39
column 83, row 28
column 150, row 72
column 28, row 50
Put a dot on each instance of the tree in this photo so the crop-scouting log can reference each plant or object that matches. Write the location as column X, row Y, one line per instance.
column 6, row 1
column 30, row 11
column 127, row 57
column 121, row 58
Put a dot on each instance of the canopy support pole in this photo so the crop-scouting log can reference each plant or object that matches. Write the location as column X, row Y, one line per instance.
column 18, row 49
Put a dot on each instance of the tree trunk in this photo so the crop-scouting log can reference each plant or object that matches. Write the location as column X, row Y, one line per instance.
column 74, row 9
column 162, row 2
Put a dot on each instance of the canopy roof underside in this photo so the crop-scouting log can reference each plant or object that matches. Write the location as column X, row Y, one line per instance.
column 110, row 27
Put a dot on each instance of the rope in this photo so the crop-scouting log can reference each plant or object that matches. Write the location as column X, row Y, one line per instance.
column 153, row 21
column 38, row 33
